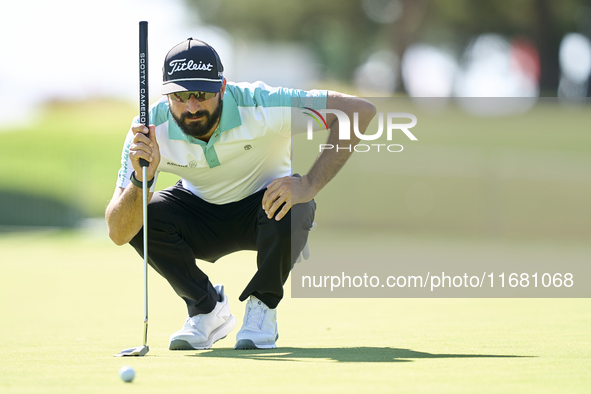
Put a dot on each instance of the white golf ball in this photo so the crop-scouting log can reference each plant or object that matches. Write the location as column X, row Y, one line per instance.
column 127, row 374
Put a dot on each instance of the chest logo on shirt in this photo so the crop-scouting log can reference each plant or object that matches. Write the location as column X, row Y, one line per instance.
column 170, row 163
column 193, row 164
column 247, row 147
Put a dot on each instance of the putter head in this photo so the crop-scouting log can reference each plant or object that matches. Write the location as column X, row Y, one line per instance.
column 134, row 351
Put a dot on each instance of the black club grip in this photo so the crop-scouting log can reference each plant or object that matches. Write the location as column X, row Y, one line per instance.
column 143, row 87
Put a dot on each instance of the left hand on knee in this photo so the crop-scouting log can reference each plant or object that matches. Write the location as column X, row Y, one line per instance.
column 286, row 192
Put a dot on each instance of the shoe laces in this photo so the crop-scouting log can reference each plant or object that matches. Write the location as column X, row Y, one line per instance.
column 256, row 314
column 193, row 321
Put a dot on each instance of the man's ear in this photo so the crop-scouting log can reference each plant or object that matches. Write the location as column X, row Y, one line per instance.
column 223, row 90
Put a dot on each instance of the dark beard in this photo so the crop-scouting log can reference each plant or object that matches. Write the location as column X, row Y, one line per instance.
column 201, row 127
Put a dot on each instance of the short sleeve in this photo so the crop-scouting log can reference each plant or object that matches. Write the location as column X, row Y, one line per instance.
column 123, row 177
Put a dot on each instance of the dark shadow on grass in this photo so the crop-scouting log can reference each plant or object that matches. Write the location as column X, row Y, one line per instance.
column 352, row 354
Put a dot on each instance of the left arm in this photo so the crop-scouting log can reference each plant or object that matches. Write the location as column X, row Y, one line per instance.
column 293, row 190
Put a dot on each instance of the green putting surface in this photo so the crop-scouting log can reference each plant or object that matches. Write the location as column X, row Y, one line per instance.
column 70, row 301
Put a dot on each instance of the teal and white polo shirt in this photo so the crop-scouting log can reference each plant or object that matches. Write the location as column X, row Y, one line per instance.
column 250, row 148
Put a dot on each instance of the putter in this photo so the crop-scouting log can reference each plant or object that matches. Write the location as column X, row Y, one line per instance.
column 144, row 119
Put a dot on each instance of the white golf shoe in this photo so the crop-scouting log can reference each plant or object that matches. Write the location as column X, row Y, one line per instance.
column 259, row 328
column 202, row 331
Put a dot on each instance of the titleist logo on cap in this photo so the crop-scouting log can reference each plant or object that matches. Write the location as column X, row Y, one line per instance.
column 183, row 65
column 192, row 65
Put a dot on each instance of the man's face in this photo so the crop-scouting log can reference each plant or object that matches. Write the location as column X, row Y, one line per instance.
column 196, row 115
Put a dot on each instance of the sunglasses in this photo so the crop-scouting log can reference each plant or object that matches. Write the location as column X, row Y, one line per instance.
column 200, row 96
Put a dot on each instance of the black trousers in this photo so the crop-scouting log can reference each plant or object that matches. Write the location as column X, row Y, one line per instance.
column 183, row 227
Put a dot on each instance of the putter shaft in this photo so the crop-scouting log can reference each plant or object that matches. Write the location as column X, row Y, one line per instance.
column 145, row 215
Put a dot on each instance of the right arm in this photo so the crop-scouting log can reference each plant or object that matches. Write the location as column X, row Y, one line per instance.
column 124, row 212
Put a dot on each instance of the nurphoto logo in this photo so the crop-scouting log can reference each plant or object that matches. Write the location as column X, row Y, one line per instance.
column 345, row 130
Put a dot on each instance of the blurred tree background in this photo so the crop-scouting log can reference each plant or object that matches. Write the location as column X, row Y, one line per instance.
column 445, row 49
column 343, row 34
